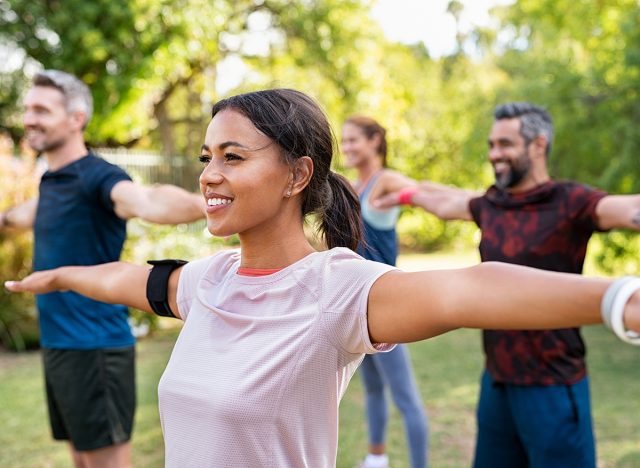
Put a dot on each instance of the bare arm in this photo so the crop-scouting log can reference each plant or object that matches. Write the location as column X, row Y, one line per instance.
column 406, row 307
column 113, row 283
column 619, row 211
column 21, row 216
column 443, row 201
column 390, row 182
column 163, row 204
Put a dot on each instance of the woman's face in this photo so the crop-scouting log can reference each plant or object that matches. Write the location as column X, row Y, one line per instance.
column 357, row 148
column 245, row 179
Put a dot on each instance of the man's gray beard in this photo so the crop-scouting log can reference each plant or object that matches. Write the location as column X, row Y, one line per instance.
column 512, row 178
column 49, row 146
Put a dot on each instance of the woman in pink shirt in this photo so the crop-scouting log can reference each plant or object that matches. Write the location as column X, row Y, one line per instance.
column 274, row 331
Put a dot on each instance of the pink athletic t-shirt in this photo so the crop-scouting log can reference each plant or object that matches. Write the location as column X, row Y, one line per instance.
column 261, row 363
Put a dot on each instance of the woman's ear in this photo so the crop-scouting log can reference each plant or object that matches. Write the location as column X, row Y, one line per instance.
column 300, row 175
column 376, row 138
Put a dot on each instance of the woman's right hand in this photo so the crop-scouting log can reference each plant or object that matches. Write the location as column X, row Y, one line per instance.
column 40, row 282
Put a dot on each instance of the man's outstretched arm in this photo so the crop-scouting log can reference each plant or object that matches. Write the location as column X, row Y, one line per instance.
column 162, row 204
column 619, row 211
column 20, row 216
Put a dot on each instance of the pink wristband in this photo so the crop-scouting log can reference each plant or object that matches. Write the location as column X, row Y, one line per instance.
column 405, row 196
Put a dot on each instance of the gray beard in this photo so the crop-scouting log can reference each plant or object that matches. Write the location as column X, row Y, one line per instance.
column 49, row 146
column 512, row 178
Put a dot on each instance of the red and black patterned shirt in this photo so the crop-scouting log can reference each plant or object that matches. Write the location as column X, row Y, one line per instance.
column 547, row 228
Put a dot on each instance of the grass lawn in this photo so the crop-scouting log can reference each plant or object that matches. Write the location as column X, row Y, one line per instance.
column 447, row 369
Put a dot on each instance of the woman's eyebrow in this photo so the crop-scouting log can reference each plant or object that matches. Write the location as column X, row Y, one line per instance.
column 226, row 144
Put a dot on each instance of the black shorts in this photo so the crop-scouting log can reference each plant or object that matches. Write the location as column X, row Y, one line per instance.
column 91, row 395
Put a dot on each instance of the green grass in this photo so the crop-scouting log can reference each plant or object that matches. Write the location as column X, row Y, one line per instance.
column 447, row 369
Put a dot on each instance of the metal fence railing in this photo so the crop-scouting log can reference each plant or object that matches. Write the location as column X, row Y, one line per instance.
column 151, row 168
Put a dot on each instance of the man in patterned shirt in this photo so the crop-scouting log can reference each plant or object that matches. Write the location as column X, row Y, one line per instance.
column 534, row 406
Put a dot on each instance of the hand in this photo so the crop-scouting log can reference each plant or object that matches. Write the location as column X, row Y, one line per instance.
column 40, row 282
column 403, row 196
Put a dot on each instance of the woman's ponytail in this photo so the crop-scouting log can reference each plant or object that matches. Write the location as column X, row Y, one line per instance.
column 340, row 221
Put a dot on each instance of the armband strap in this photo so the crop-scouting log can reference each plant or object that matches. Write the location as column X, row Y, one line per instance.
column 157, row 285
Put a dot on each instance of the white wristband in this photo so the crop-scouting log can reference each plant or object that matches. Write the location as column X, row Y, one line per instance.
column 608, row 298
column 612, row 307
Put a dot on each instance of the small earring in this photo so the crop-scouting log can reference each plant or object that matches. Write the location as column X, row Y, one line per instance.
column 289, row 194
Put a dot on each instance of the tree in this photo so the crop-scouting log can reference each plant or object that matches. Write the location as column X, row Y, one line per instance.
column 581, row 59
column 153, row 65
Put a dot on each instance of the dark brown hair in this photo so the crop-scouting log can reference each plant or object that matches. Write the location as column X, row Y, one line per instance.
column 299, row 126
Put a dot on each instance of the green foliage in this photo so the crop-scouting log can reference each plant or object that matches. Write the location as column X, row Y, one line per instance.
column 18, row 320
column 423, row 232
column 154, row 67
column 11, row 89
column 616, row 253
column 18, row 324
column 580, row 59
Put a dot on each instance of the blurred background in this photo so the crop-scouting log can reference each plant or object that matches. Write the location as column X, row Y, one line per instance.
column 430, row 71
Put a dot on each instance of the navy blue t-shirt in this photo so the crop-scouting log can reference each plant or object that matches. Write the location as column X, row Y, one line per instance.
column 76, row 225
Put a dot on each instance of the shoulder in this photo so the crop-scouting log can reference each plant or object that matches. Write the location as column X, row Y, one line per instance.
column 344, row 268
column 219, row 263
column 93, row 160
column 479, row 198
column 389, row 176
column 572, row 185
column 97, row 170
column 327, row 265
column 577, row 191
column 207, row 271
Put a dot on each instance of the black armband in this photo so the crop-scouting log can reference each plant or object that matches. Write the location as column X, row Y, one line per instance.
column 157, row 285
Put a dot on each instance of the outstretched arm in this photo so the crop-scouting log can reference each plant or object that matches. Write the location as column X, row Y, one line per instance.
column 21, row 216
column 390, row 182
column 406, row 307
column 619, row 211
column 443, row 201
column 113, row 283
column 163, row 204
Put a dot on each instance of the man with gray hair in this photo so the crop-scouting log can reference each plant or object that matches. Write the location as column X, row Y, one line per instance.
column 79, row 218
column 534, row 407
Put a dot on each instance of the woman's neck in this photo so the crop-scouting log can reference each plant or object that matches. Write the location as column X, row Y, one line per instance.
column 276, row 247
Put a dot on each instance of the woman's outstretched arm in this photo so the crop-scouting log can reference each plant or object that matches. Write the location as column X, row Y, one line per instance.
column 406, row 307
column 114, row 283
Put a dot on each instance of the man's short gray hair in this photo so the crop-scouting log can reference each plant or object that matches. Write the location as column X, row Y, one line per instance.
column 77, row 96
column 534, row 120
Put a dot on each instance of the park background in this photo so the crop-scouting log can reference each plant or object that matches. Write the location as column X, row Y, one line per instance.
column 156, row 66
